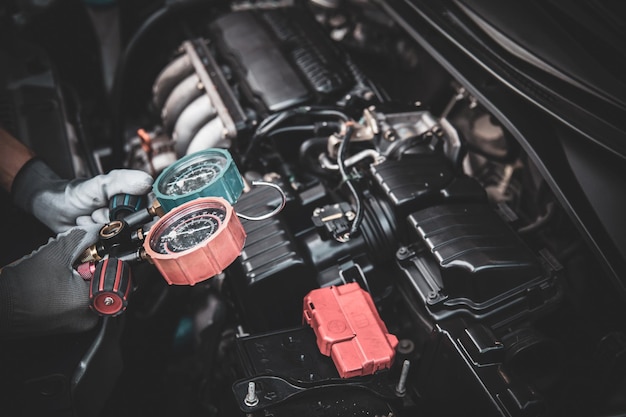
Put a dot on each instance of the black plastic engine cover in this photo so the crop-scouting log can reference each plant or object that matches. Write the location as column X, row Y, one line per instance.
column 418, row 181
column 479, row 255
column 270, row 275
column 283, row 56
column 468, row 261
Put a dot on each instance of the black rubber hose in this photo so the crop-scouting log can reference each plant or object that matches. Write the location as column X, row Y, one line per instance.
column 117, row 92
column 273, row 121
column 341, row 162
column 305, row 158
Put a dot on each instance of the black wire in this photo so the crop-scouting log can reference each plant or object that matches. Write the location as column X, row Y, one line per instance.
column 271, row 118
column 271, row 122
column 304, row 110
column 291, row 129
column 341, row 162
column 265, row 128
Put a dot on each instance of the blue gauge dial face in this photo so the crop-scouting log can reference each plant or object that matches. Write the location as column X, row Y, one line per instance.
column 188, row 230
column 192, row 176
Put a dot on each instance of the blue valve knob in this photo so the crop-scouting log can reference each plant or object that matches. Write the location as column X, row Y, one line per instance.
column 121, row 205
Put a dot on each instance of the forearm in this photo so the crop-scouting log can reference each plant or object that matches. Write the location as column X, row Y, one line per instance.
column 13, row 156
column 58, row 203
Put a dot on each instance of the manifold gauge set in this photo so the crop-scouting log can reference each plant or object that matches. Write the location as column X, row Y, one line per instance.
column 200, row 234
column 196, row 237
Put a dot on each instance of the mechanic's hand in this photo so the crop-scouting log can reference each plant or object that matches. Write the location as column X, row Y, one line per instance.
column 62, row 204
column 42, row 294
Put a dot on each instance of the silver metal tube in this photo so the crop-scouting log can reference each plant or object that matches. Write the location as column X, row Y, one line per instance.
column 326, row 163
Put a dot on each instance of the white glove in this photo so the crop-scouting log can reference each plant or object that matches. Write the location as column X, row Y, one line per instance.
column 42, row 294
column 62, row 204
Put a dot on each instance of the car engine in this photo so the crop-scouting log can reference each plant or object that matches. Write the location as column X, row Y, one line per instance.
column 421, row 264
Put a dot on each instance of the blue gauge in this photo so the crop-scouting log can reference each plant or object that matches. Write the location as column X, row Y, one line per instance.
column 207, row 173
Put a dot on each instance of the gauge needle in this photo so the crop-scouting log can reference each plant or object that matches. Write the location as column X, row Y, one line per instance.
column 174, row 234
column 182, row 181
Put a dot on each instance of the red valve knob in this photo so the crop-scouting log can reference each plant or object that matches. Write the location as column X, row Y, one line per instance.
column 110, row 287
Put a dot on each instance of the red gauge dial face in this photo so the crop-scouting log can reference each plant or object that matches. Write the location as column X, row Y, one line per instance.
column 189, row 230
column 195, row 241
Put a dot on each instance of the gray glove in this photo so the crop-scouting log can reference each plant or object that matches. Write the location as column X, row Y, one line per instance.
column 62, row 204
column 42, row 294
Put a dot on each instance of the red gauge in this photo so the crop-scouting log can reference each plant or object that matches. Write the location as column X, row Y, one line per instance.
column 195, row 241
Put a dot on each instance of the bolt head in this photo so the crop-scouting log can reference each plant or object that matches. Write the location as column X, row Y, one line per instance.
column 406, row 346
column 251, row 403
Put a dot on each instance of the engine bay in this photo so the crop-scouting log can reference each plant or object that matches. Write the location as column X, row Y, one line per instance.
column 406, row 202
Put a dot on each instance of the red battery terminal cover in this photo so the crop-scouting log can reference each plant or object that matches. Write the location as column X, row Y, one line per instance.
column 349, row 329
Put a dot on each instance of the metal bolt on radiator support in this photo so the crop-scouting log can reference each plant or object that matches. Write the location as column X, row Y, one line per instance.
column 251, row 398
column 401, row 387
